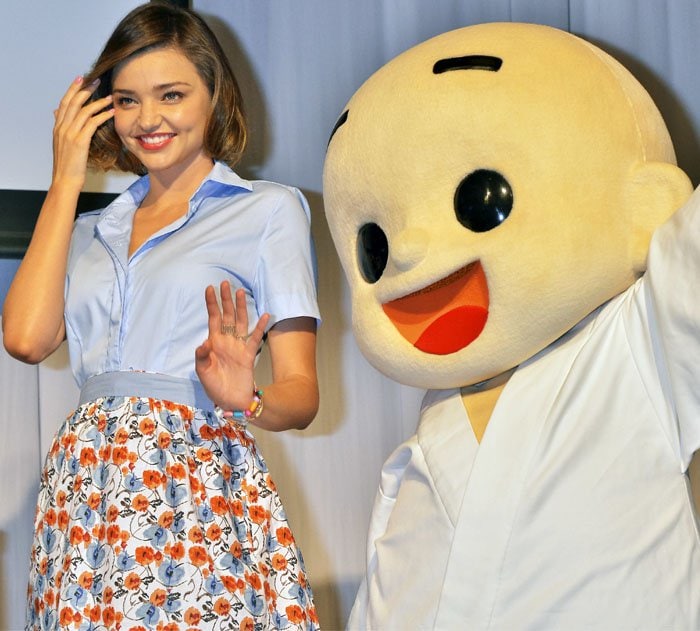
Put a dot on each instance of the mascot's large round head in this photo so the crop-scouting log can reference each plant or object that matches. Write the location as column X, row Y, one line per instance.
column 486, row 190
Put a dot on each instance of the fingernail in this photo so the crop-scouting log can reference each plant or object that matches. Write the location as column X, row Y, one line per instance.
column 79, row 79
column 95, row 82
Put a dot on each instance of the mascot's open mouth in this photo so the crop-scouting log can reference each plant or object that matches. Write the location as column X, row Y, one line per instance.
column 446, row 316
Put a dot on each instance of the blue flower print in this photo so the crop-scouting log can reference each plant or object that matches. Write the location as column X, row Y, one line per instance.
column 132, row 482
column 157, row 535
column 253, row 601
column 125, row 561
column 149, row 614
column 95, row 554
column 170, row 573
column 76, row 595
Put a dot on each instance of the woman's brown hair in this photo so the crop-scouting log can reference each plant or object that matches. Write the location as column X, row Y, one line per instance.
column 160, row 25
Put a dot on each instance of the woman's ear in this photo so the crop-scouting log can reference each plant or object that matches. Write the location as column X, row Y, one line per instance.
column 653, row 193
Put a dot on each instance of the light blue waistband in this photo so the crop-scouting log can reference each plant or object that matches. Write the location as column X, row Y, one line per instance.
column 147, row 385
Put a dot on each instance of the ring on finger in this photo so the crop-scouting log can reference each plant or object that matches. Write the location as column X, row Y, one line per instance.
column 229, row 329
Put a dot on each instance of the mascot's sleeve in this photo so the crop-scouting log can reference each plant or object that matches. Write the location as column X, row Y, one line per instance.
column 673, row 272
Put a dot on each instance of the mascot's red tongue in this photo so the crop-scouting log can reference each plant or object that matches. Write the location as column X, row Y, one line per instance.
column 446, row 316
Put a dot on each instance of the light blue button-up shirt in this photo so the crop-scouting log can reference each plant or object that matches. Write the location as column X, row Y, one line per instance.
column 147, row 312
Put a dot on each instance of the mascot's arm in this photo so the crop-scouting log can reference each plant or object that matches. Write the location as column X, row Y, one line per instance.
column 673, row 273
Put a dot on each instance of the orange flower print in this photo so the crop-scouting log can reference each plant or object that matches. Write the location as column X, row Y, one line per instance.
column 214, row 532
column 76, row 535
column 120, row 455
column 113, row 534
column 87, row 457
column 61, row 499
column 222, row 606
column 94, row 500
column 311, row 612
column 147, row 426
column 258, row 514
column 236, row 549
column 177, row 550
column 140, row 503
column 295, row 614
column 132, row 581
column 99, row 531
column 198, row 555
column 158, row 597
column 195, row 535
column 186, row 413
column 107, row 595
column 145, row 555
column 50, row 517
column 219, row 505
column 207, row 432
column 195, row 485
column 166, row 519
column 252, row 493
column 284, row 536
column 121, row 436
column 247, row 624
column 253, row 580
column 63, row 520
column 230, row 583
column 164, row 440
column 105, row 452
column 66, row 616
column 171, row 626
column 269, row 483
column 109, row 617
column 237, row 508
column 178, row 471
column 204, row 454
column 85, row 580
column 279, row 562
column 193, row 616
column 94, row 613
column 153, row 479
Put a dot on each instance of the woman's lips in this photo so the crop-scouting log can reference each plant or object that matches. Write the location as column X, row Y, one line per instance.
column 446, row 316
column 153, row 142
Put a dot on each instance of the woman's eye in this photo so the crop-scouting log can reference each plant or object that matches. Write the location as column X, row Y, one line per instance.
column 172, row 96
column 124, row 101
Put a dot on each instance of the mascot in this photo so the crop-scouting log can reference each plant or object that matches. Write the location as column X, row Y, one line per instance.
column 519, row 241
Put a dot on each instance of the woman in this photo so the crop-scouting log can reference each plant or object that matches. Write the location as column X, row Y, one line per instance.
column 155, row 508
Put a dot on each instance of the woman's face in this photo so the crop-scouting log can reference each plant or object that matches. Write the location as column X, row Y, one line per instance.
column 161, row 111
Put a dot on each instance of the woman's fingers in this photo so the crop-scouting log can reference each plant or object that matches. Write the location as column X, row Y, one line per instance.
column 212, row 310
column 241, row 313
column 257, row 335
column 75, row 97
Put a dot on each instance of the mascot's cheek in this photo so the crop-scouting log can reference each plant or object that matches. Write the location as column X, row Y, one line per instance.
column 446, row 316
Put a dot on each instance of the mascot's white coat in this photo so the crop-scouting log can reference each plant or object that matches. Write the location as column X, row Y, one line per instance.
column 492, row 194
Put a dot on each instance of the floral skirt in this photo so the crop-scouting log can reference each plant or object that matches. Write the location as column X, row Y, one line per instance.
column 157, row 515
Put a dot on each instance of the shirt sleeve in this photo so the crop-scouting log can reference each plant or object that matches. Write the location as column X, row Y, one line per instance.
column 673, row 272
column 285, row 279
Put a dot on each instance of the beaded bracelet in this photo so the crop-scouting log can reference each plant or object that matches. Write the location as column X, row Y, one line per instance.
column 242, row 417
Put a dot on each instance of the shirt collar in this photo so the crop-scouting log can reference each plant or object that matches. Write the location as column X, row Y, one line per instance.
column 115, row 219
column 218, row 183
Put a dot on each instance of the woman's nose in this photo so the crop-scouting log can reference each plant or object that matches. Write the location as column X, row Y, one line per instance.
column 149, row 117
column 409, row 248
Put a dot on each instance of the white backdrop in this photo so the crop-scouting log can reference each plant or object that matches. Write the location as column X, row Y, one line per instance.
column 298, row 62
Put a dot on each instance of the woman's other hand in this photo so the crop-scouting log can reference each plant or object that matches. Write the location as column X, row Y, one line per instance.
column 225, row 361
column 76, row 120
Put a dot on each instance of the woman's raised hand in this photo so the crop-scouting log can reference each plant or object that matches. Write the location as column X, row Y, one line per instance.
column 225, row 361
column 76, row 121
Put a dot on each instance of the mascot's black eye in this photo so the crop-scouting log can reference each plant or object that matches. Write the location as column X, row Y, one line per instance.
column 483, row 200
column 372, row 252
